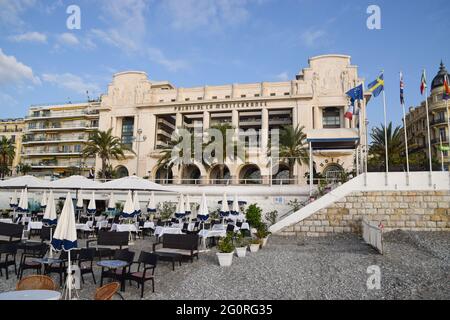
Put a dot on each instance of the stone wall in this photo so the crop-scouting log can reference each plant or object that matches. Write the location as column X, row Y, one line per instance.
column 406, row 210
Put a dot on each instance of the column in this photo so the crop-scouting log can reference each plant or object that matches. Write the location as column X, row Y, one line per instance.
column 311, row 169
column 264, row 131
column 179, row 120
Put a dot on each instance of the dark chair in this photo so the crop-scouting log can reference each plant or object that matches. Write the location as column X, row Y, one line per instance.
column 30, row 253
column 83, row 220
column 230, row 228
column 119, row 274
column 145, row 271
column 185, row 228
column 60, row 268
column 159, row 223
column 239, row 224
column 107, row 241
column 86, row 262
column 9, row 251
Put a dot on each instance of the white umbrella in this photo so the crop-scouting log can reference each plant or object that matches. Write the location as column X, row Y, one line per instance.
column 65, row 237
column 151, row 207
column 236, row 208
column 91, row 207
column 44, row 200
column 111, row 202
column 203, row 213
column 25, row 182
column 180, row 213
column 80, row 200
column 225, row 209
column 75, row 182
column 132, row 183
column 137, row 206
column 13, row 203
column 23, row 203
column 50, row 217
column 188, row 205
column 128, row 208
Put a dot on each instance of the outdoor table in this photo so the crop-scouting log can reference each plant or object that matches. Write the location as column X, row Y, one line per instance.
column 160, row 231
column 34, row 225
column 31, row 295
column 212, row 233
column 113, row 264
column 169, row 256
column 124, row 227
column 47, row 262
column 6, row 220
column 103, row 224
column 149, row 225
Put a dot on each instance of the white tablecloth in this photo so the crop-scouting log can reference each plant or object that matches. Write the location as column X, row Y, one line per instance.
column 35, row 225
column 212, row 233
column 160, row 231
column 124, row 227
column 102, row 224
column 84, row 226
column 245, row 226
column 149, row 225
column 6, row 221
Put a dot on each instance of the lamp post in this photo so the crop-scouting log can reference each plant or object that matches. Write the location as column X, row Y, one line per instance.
column 138, row 140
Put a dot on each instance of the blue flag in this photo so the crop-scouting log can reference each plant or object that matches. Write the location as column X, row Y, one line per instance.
column 377, row 86
column 356, row 93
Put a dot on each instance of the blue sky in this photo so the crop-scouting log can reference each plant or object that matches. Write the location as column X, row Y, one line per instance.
column 198, row 42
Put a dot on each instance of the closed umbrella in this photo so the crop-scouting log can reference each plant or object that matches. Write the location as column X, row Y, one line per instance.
column 137, row 206
column 203, row 213
column 236, row 208
column 44, row 200
column 225, row 209
column 111, row 202
column 188, row 205
column 23, row 203
column 180, row 213
column 50, row 218
column 92, row 209
column 80, row 201
column 13, row 203
column 128, row 208
column 65, row 237
column 151, row 207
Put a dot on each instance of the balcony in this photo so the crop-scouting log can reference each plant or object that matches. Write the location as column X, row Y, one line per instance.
column 41, row 140
column 59, row 127
column 61, row 114
column 55, row 164
column 438, row 121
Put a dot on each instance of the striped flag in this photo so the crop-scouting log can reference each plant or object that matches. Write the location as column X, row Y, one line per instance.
column 350, row 111
column 423, row 83
column 446, row 88
column 402, row 88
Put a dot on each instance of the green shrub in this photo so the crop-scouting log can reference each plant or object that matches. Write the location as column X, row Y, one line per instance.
column 262, row 231
column 241, row 241
column 253, row 215
column 272, row 217
column 166, row 209
column 226, row 245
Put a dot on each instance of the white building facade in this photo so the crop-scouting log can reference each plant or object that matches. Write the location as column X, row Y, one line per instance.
column 145, row 113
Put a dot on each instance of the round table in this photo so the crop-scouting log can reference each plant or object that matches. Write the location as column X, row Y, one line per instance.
column 31, row 295
column 113, row 264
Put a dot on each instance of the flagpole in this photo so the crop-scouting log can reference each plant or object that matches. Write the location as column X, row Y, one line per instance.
column 406, row 134
column 364, row 151
column 442, row 153
column 385, row 138
column 428, row 132
column 448, row 124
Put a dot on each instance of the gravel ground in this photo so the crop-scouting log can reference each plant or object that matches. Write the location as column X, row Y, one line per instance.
column 416, row 265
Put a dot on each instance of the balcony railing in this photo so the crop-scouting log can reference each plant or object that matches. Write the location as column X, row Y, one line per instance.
column 56, row 139
column 61, row 114
column 70, row 126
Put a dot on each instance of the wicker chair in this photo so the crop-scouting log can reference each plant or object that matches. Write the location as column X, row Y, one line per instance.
column 107, row 291
column 36, row 282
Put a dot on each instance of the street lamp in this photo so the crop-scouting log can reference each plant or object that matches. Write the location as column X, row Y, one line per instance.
column 138, row 140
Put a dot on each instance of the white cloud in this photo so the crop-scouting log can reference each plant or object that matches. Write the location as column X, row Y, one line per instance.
column 11, row 11
column 29, row 37
column 14, row 72
column 71, row 82
column 7, row 101
column 193, row 14
column 157, row 56
column 310, row 37
column 283, row 76
column 68, row 39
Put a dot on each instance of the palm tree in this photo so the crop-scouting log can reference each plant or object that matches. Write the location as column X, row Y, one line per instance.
column 24, row 168
column 223, row 128
column 7, row 154
column 377, row 150
column 293, row 147
column 104, row 145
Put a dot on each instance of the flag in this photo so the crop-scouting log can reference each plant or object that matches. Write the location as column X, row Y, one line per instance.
column 377, row 86
column 423, row 83
column 349, row 113
column 446, row 88
column 356, row 93
column 402, row 88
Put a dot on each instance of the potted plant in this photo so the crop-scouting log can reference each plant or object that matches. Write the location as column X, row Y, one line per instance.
column 241, row 246
column 262, row 233
column 226, row 251
column 254, row 245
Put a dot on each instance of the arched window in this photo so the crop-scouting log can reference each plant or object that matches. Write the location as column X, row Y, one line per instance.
column 164, row 176
column 220, row 174
column 122, row 172
column 250, row 174
column 191, row 174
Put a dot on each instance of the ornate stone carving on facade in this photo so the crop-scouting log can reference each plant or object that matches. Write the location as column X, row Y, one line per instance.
column 345, row 81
